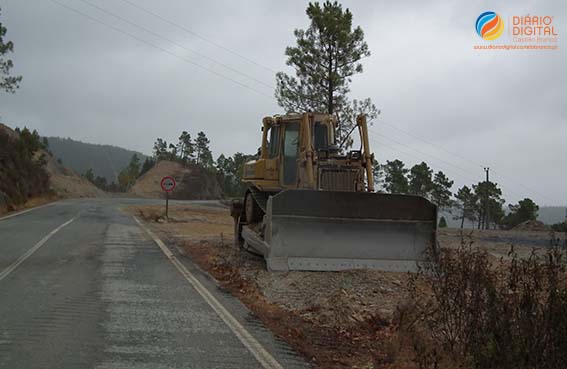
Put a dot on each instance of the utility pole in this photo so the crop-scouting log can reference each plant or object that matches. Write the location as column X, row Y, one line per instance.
column 486, row 202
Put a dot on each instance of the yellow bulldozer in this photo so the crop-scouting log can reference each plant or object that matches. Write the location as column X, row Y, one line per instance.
column 310, row 205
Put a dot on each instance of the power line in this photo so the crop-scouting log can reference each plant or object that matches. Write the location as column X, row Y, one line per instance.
column 161, row 49
column 176, row 43
column 451, row 171
column 420, row 152
column 198, row 35
column 420, row 158
column 429, row 142
column 437, row 146
column 524, row 186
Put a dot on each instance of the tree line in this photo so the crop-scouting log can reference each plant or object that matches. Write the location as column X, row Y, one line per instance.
column 186, row 151
column 481, row 203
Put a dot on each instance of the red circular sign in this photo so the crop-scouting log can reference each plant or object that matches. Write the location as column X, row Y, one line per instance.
column 167, row 183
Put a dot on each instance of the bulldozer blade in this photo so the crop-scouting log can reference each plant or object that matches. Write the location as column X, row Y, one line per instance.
column 324, row 230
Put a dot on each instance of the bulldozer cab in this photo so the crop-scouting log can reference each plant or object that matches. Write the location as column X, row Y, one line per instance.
column 284, row 139
column 299, row 152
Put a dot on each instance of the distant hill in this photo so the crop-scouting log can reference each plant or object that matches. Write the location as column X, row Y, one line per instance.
column 546, row 214
column 105, row 160
column 552, row 214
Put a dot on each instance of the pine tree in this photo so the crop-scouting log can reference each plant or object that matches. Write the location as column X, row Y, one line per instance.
column 395, row 180
column 420, row 182
column 441, row 191
column 325, row 58
column 160, row 149
column 525, row 210
column 204, row 155
column 186, row 147
column 7, row 83
column 128, row 175
column 490, row 190
column 467, row 202
column 172, row 154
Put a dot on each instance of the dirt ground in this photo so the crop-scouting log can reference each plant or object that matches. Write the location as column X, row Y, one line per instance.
column 335, row 319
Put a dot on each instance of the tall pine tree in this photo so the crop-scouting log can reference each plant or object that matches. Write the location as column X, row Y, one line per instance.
column 395, row 177
column 202, row 150
column 326, row 56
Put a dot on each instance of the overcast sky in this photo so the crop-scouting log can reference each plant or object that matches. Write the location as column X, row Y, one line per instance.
column 503, row 109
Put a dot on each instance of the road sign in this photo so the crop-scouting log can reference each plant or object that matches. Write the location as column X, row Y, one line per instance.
column 168, row 183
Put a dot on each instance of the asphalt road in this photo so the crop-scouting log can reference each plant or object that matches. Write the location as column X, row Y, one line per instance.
column 82, row 285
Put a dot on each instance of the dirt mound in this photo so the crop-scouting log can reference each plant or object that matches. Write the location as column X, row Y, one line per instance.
column 193, row 182
column 531, row 225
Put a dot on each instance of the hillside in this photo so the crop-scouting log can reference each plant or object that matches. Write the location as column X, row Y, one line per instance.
column 65, row 183
column 28, row 172
column 105, row 160
column 193, row 182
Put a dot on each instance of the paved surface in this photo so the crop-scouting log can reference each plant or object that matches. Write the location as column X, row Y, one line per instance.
column 99, row 293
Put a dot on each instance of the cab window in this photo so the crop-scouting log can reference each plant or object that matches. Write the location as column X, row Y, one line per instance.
column 320, row 136
column 273, row 141
column 291, row 142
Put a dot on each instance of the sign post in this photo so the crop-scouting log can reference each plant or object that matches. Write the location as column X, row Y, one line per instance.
column 167, row 185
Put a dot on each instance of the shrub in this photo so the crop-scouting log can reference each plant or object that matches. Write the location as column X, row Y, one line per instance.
column 22, row 166
column 559, row 227
column 468, row 311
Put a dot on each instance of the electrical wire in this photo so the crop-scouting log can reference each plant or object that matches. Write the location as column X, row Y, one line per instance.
column 450, row 171
column 216, row 44
column 271, row 87
column 162, row 49
column 469, row 179
column 420, row 152
column 438, row 147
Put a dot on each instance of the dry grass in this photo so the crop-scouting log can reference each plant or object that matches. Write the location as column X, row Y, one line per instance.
column 189, row 222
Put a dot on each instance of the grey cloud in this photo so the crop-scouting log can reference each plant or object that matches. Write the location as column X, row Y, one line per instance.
column 503, row 109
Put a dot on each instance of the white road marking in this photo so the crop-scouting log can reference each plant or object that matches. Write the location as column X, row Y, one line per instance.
column 29, row 253
column 26, row 211
column 259, row 352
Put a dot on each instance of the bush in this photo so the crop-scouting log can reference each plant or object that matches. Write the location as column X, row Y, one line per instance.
column 22, row 166
column 442, row 222
column 559, row 227
column 467, row 311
